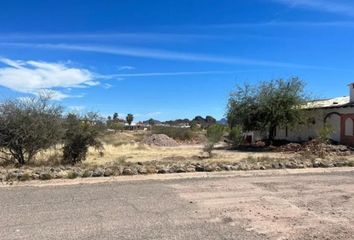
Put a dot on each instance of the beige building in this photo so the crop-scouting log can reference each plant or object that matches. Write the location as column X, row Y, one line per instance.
column 337, row 112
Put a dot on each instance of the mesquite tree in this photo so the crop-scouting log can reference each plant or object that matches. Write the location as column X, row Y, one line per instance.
column 266, row 106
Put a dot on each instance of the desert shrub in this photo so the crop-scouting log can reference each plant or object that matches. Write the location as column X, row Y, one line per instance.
column 28, row 126
column 183, row 134
column 214, row 135
column 236, row 136
column 325, row 133
column 80, row 134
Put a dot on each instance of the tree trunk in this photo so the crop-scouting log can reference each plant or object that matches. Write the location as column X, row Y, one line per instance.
column 271, row 135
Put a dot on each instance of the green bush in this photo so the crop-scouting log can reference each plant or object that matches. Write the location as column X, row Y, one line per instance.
column 28, row 126
column 80, row 134
column 183, row 134
column 236, row 136
column 214, row 135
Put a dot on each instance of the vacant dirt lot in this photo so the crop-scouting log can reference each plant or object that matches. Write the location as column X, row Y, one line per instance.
column 286, row 207
column 274, row 204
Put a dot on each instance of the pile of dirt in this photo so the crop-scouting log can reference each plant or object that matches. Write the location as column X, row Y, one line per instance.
column 160, row 140
column 318, row 148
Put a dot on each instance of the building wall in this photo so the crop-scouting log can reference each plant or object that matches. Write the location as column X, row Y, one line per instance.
column 311, row 130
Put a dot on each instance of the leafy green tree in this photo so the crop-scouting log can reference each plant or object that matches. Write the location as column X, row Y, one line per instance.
column 267, row 106
column 80, row 134
column 28, row 126
column 214, row 135
column 115, row 116
column 129, row 118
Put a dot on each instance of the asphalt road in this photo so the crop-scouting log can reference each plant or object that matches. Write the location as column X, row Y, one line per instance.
column 296, row 206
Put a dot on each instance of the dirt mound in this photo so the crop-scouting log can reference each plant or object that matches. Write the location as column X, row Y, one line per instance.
column 160, row 140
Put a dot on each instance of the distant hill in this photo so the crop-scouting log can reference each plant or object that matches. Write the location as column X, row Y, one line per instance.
column 222, row 121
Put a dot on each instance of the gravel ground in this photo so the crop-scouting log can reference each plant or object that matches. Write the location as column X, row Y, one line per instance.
column 275, row 204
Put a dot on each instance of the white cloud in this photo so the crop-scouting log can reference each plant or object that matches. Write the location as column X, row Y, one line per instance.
column 36, row 76
column 124, row 68
column 153, row 114
column 331, row 6
column 76, row 108
column 161, row 54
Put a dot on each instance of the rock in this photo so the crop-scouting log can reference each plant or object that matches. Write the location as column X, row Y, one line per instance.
column 226, row 167
column 45, row 176
column 212, row 168
column 142, row 170
column 163, row 170
column 340, row 164
column 275, row 165
column 151, row 169
column 190, row 169
column 263, row 168
column 87, row 173
column 180, row 170
column 128, row 171
column 98, row 172
column 199, row 168
column 108, row 172
column 61, row 174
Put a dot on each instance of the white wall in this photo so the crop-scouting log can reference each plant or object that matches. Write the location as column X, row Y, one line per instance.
column 304, row 132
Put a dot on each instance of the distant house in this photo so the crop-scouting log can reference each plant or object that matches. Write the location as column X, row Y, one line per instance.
column 337, row 112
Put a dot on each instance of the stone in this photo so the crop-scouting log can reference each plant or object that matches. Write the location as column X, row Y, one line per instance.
column 61, row 174
column 226, row 167
column 163, row 170
column 128, row 171
column 142, row 170
column 45, row 176
column 199, row 168
column 98, row 172
column 108, row 172
column 151, row 169
column 87, row 173
column 212, row 168
column 180, row 170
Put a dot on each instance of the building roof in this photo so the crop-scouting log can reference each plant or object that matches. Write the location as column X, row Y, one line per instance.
column 330, row 103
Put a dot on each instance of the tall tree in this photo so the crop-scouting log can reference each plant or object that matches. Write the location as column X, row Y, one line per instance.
column 129, row 118
column 115, row 116
column 267, row 106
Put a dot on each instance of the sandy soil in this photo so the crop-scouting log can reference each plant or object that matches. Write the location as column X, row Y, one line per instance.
column 295, row 207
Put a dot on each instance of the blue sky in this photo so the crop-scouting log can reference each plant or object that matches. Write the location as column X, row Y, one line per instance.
column 170, row 59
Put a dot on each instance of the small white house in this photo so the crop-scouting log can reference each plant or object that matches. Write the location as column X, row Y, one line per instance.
column 337, row 112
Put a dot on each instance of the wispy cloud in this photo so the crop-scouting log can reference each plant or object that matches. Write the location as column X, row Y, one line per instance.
column 161, row 54
column 120, row 37
column 37, row 76
column 331, row 6
column 125, row 68
column 158, row 74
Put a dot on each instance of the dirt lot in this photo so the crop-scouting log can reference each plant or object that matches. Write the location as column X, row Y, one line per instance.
column 278, row 207
column 275, row 204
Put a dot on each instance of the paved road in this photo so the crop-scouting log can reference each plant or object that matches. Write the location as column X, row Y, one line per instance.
column 296, row 206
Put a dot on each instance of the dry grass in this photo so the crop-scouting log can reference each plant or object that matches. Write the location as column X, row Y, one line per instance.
column 137, row 152
column 127, row 146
